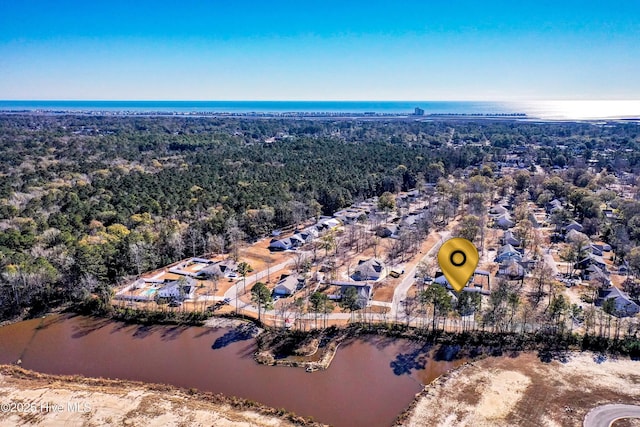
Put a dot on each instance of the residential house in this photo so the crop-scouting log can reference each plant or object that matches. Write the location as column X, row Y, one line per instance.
column 288, row 285
column 280, row 244
column 181, row 289
column 219, row 269
column 509, row 239
column 387, row 230
column 573, row 225
column 348, row 216
column 412, row 219
column 498, row 210
column 309, row 233
column 440, row 279
column 511, row 269
column 296, row 240
column 591, row 259
column 553, row 206
column 508, row 252
column 363, row 294
column 371, row 269
column 624, row 307
column 504, row 222
column 326, row 223
column 596, row 274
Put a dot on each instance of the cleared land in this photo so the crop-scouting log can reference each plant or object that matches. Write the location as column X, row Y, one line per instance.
column 524, row 391
column 111, row 402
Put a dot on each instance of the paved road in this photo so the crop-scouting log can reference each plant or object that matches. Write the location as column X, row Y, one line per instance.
column 241, row 284
column 604, row 415
column 400, row 293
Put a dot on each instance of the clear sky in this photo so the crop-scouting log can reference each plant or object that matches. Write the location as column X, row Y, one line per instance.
column 320, row 50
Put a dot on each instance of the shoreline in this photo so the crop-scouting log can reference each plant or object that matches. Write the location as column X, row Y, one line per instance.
column 310, row 115
column 108, row 399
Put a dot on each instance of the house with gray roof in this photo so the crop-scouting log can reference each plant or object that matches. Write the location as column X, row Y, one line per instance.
column 573, row 225
column 363, row 294
column 288, row 285
column 387, row 230
column 371, row 269
column 624, row 306
column 508, row 252
column 511, row 269
column 509, row 239
column 504, row 221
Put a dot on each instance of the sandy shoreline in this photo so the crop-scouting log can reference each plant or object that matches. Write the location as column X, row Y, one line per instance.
column 522, row 390
column 35, row 399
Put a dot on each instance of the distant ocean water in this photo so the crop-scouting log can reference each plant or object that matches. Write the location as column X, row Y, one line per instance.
column 549, row 110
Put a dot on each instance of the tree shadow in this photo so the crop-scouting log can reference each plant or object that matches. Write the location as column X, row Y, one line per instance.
column 173, row 332
column 85, row 327
column 242, row 333
column 49, row 321
column 205, row 331
column 447, row 353
column 548, row 354
column 118, row 327
column 143, row 331
column 406, row 363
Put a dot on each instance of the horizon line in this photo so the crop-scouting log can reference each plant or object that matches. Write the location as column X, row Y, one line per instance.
column 321, row 100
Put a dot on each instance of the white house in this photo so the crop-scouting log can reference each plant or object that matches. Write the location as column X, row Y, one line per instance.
column 178, row 289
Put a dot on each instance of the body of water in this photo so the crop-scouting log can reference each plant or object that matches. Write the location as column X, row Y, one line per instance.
column 368, row 383
column 548, row 110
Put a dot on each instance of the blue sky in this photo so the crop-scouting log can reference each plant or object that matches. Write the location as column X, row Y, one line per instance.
column 312, row 50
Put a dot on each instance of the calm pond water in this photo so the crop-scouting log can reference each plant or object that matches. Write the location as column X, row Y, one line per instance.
column 368, row 384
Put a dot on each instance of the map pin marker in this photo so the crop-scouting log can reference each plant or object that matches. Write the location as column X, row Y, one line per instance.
column 458, row 259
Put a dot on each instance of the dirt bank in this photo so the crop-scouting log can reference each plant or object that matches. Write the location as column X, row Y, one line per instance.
column 35, row 399
column 524, row 391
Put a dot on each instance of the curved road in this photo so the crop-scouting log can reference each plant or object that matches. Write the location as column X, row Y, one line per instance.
column 604, row 415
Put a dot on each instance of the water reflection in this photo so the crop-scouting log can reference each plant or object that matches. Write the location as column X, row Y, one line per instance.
column 370, row 381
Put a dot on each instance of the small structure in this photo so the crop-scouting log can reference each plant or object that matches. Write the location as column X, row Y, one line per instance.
column 371, row 269
column 624, row 307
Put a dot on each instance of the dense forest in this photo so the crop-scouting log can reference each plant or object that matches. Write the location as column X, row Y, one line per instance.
column 88, row 200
